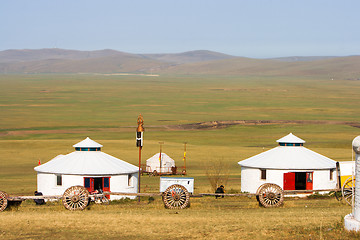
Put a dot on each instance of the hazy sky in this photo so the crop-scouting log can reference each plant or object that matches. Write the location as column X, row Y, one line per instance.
column 250, row 28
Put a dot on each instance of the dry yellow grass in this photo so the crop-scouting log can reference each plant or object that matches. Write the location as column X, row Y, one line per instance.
column 228, row 218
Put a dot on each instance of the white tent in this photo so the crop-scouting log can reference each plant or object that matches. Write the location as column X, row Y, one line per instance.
column 153, row 164
column 290, row 165
column 89, row 167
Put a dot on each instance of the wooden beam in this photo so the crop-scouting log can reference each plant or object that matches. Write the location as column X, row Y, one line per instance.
column 224, row 194
column 286, row 192
column 133, row 194
column 21, row 198
column 310, row 191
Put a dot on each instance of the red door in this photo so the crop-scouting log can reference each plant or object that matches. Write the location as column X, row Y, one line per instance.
column 309, row 181
column 106, row 185
column 289, row 181
column 89, row 184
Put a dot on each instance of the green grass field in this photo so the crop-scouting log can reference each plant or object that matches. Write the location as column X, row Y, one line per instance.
column 44, row 115
column 88, row 101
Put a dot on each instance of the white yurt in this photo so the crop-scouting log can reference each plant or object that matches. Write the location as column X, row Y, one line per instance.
column 87, row 166
column 291, row 166
column 167, row 164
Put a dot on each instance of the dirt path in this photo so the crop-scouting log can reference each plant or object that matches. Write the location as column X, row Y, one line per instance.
column 224, row 124
column 191, row 126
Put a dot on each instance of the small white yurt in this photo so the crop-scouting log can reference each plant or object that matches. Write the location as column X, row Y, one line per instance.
column 291, row 166
column 87, row 166
column 167, row 164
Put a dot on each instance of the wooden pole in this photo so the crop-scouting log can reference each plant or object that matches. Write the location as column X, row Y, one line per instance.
column 160, row 156
column 338, row 175
column 139, row 143
column 139, row 173
column 184, row 157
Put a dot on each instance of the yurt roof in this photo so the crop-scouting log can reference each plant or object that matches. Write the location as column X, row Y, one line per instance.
column 289, row 157
column 290, row 138
column 87, row 163
column 164, row 158
column 87, row 143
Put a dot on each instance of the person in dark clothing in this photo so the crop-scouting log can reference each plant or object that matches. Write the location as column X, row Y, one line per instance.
column 39, row 201
column 220, row 189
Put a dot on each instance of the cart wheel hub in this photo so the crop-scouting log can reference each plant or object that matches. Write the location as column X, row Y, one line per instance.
column 176, row 197
column 75, row 198
column 271, row 196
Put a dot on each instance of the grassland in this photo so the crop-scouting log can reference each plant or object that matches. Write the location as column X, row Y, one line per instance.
column 228, row 218
column 81, row 101
column 42, row 116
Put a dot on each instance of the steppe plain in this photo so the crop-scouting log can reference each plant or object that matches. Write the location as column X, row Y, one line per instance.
column 43, row 115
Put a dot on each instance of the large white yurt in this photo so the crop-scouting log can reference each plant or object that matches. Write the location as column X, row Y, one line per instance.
column 291, row 166
column 167, row 164
column 87, row 166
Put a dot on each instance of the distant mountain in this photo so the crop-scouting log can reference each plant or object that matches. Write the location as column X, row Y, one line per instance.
column 72, row 61
column 109, row 64
column 56, row 60
column 26, row 55
column 188, row 57
column 302, row 59
column 340, row 67
column 194, row 62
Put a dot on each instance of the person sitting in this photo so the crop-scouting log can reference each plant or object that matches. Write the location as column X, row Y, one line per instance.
column 220, row 189
column 39, row 201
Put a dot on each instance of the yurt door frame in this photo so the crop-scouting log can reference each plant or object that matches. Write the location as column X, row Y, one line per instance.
column 298, row 181
column 90, row 182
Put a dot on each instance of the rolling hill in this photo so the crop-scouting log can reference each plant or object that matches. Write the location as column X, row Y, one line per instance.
column 26, row 55
column 193, row 62
column 103, row 61
column 340, row 67
column 72, row 61
column 189, row 57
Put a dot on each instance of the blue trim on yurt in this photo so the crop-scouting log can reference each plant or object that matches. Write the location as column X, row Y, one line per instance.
column 291, row 144
column 87, row 149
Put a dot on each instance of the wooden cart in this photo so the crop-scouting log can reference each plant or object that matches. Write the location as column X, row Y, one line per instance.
column 74, row 198
column 175, row 196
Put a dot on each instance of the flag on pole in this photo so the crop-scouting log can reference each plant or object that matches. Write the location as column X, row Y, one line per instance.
column 160, row 157
column 184, row 156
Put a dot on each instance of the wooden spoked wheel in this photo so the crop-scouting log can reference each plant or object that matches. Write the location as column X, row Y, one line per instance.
column 347, row 189
column 270, row 195
column 176, row 197
column 3, row 201
column 75, row 198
